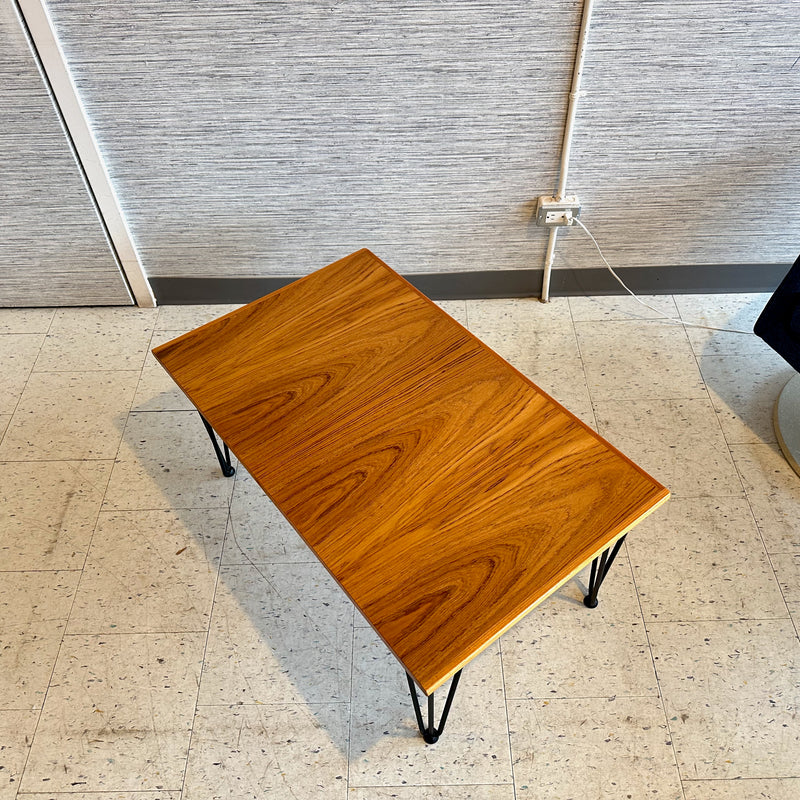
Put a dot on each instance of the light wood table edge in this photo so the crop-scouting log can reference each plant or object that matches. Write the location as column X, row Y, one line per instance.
column 544, row 597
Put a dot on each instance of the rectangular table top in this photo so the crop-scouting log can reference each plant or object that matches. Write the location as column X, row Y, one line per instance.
column 444, row 491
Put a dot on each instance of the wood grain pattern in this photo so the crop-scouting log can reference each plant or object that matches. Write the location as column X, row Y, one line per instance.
column 444, row 491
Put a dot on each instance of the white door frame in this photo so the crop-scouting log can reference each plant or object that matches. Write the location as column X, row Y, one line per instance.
column 53, row 63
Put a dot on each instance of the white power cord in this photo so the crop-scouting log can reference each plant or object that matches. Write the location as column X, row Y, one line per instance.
column 646, row 305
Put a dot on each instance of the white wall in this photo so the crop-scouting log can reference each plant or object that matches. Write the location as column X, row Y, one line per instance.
column 268, row 138
column 687, row 149
column 52, row 247
column 260, row 138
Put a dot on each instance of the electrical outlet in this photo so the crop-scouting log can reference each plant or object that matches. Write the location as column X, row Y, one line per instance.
column 552, row 212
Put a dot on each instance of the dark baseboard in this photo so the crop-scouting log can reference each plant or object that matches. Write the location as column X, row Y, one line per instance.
column 702, row 279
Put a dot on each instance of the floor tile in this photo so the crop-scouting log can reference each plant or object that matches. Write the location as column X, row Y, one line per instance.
column 509, row 326
column 159, row 337
column 753, row 789
column 150, row 572
column 598, row 748
column 66, row 415
column 26, row 667
column 773, row 489
column 549, row 357
column 563, row 649
column 737, row 311
column 291, row 750
column 157, row 391
column 155, row 795
column 278, row 634
column 118, row 714
column 386, row 747
column 485, row 792
column 730, row 691
column 743, row 390
column 679, row 442
column 258, row 532
column 552, row 362
column 48, row 511
column 787, row 571
column 166, row 460
column 4, row 420
column 457, row 309
column 36, row 599
column 181, row 319
column 26, row 320
column 621, row 307
column 16, row 734
column 508, row 318
column 703, row 558
column 18, row 352
column 97, row 339
column 33, row 612
column 633, row 360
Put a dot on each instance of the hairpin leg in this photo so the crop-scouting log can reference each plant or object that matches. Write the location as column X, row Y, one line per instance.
column 224, row 459
column 430, row 733
column 600, row 567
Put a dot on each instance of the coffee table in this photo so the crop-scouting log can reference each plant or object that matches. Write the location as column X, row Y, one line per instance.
column 445, row 492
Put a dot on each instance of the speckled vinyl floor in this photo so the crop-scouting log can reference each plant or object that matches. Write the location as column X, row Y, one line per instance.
column 165, row 634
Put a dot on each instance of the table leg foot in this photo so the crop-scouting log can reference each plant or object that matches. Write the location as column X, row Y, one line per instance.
column 431, row 733
column 223, row 458
column 600, row 567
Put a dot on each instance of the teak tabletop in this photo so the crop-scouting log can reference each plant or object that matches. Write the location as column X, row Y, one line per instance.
column 444, row 491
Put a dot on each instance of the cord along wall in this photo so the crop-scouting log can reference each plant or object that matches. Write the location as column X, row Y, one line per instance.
column 252, row 142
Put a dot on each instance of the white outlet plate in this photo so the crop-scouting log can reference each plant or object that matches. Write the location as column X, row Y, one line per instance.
column 551, row 212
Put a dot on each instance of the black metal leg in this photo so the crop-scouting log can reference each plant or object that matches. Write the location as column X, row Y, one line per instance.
column 224, row 459
column 600, row 568
column 430, row 733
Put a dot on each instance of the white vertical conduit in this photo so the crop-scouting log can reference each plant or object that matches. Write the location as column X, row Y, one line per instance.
column 566, row 144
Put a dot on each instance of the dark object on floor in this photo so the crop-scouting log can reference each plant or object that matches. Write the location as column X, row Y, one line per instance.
column 779, row 323
column 779, row 327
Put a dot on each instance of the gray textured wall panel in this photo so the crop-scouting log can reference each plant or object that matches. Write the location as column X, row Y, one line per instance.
column 268, row 138
column 687, row 147
column 52, row 248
